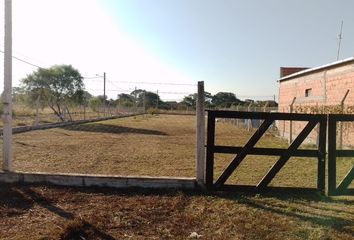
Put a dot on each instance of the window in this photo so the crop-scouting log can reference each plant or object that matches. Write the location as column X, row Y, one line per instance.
column 308, row 92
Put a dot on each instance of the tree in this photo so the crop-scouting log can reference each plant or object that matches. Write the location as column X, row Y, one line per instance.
column 146, row 98
column 19, row 95
column 191, row 100
column 225, row 99
column 56, row 86
column 125, row 100
column 95, row 103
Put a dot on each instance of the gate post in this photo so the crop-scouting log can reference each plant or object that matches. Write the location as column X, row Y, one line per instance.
column 321, row 165
column 200, row 151
column 332, row 148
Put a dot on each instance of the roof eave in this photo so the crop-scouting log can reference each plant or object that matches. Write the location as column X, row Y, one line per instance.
column 311, row 70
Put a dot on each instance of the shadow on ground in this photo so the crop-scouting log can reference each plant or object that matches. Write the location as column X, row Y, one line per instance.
column 107, row 128
column 305, row 206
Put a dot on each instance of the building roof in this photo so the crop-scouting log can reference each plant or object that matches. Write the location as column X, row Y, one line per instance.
column 315, row 69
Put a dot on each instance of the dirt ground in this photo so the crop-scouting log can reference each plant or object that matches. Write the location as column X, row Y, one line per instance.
column 45, row 212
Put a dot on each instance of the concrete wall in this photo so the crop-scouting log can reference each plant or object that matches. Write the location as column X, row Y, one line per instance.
column 81, row 180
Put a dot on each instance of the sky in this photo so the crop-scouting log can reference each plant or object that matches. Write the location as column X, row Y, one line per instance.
column 232, row 45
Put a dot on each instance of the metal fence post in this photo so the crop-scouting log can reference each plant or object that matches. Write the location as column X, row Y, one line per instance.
column 200, row 152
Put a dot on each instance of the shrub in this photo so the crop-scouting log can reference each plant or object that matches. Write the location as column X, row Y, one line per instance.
column 153, row 111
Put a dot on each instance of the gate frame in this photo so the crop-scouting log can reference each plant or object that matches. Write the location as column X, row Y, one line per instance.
column 333, row 153
column 248, row 149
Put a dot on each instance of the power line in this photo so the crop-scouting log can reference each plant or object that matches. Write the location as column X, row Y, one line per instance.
column 157, row 83
column 24, row 61
column 94, row 77
column 116, row 85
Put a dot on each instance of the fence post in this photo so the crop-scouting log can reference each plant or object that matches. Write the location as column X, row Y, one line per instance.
column 249, row 120
column 200, row 153
column 37, row 111
column 7, row 98
column 291, row 122
column 341, row 123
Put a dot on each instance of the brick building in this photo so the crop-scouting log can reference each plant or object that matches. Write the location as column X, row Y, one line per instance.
column 325, row 89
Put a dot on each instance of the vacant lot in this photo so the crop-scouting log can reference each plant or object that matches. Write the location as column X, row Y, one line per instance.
column 144, row 145
column 162, row 145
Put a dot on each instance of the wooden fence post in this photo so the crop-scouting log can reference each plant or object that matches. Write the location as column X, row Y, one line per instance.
column 332, row 155
column 200, row 151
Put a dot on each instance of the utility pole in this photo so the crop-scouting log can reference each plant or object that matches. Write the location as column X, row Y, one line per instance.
column 7, row 98
column 104, row 86
column 104, row 94
column 340, row 39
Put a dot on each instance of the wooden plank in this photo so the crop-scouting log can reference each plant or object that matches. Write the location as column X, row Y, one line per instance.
column 254, row 189
column 332, row 148
column 267, row 115
column 209, row 174
column 238, row 159
column 345, row 153
column 321, row 164
column 342, row 117
column 284, row 158
column 267, row 151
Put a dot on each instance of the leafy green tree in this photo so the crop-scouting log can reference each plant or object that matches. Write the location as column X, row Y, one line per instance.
column 95, row 103
column 225, row 99
column 191, row 100
column 57, row 86
column 125, row 100
column 19, row 95
column 146, row 98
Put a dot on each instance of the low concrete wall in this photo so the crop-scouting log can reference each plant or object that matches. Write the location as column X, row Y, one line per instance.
column 63, row 124
column 81, row 180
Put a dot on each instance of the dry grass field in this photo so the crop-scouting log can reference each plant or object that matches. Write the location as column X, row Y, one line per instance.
column 150, row 145
column 162, row 145
column 143, row 145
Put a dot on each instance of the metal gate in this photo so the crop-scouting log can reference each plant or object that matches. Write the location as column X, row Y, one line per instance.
column 250, row 149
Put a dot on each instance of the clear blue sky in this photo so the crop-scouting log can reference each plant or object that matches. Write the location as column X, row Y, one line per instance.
column 239, row 45
column 233, row 45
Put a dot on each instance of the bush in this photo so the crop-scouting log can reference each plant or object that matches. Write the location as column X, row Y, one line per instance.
column 153, row 111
